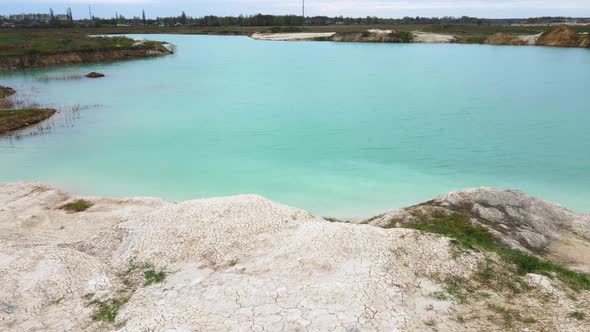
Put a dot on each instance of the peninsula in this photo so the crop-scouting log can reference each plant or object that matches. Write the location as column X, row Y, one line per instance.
column 14, row 119
column 23, row 49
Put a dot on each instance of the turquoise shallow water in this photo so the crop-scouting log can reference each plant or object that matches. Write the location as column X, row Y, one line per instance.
column 339, row 129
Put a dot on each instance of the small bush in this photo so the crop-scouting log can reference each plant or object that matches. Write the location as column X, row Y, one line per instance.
column 402, row 36
column 77, row 206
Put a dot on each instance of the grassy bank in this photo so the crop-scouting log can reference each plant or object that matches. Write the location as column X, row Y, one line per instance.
column 11, row 120
column 6, row 91
column 54, row 41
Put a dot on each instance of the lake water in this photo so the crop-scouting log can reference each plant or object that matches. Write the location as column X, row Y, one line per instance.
column 339, row 129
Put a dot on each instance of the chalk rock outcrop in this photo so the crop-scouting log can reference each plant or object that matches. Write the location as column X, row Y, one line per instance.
column 519, row 221
column 240, row 263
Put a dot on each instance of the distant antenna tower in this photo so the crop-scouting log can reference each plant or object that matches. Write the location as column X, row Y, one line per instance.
column 303, row 13
column 90, row 13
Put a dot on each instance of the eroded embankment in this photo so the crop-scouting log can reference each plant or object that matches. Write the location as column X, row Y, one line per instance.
column 562, row 36
column 245, row 263
column 15, row 62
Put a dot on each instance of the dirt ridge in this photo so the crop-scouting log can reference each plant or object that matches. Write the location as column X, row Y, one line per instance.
column 16, row 62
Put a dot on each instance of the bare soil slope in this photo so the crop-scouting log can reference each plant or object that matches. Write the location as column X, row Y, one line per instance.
column 563, row 36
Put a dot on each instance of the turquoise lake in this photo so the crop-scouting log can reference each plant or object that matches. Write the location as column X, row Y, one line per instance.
column 338, row 129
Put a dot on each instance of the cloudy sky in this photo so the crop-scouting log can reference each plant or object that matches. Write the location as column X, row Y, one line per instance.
column 381, row 8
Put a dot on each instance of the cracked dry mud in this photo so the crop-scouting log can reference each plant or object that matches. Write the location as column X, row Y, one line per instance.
column 244, row 263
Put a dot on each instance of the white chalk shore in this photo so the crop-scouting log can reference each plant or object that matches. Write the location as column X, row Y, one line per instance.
column 291, row 36
column 245, row 263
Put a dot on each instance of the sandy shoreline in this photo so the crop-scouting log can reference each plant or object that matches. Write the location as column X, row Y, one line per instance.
column 418, row 37
column 291, row 36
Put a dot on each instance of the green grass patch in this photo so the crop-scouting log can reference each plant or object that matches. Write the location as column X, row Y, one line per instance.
column 578, row 315
column 509, row 316
column 16, row 119
column 459, row 229
column 477, row 237
column 286, row 29
column 152, row 276
column 106, row 311
column 77, row 206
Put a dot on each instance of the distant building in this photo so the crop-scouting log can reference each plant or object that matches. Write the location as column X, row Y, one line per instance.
column 30, row 17
column 61, row 17
column 39, row 18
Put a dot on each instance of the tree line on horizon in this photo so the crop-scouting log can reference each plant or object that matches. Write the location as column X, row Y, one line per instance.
column 67, row 20
column 248, row 20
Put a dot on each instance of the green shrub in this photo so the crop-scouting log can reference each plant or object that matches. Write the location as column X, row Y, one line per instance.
column 402, row 36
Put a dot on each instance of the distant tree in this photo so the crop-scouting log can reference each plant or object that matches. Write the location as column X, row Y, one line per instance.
column 143, row 17
column 183, row 18
column 69, row 15
column 51, row 16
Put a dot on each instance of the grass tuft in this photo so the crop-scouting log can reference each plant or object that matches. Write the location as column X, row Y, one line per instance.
column 106, row 311
column 152, row 276
column 578, row 315
column 77, row 206
column 509, row 316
